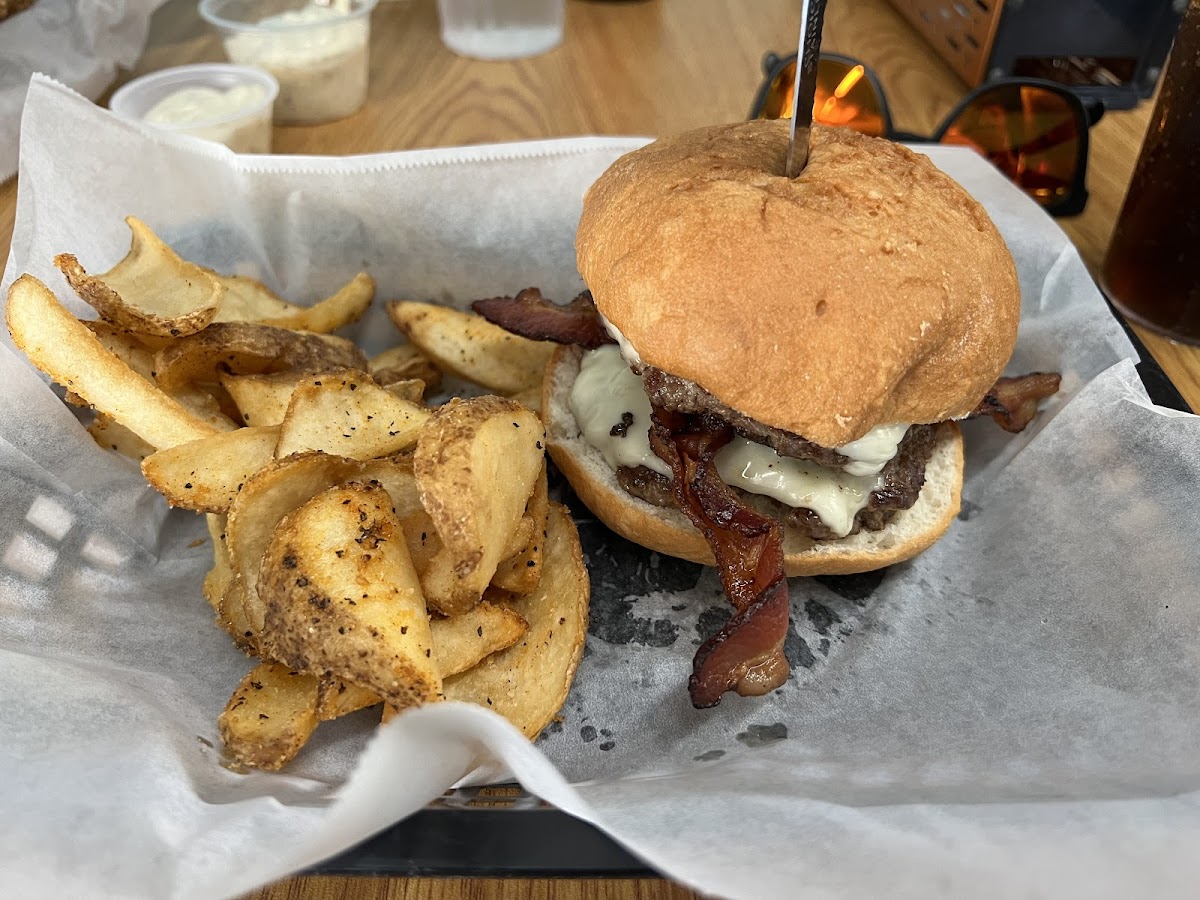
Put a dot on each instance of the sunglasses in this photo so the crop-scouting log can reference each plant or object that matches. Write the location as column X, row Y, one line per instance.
column 1034, row 131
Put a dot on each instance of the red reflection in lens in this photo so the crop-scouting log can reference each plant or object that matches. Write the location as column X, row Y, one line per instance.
column 1029, row 133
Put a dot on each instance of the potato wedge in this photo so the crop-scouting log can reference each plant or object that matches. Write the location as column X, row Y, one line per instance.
column 341, row 596
column 476, row 464
column 521, row 568
column 272, row 493
column 220, row 576
column 461, row 642
column 531, row 397
column 395, row 473
column 348, row 415
column 205, row 406
column 264, row 399
column 151, row 290
column 270, row 716
column 528, row 683
column 410, row 389
column 242, row 348
column 111, row 436
column 472, row 347
column 334, row 312
column 337, row 698
column 124, row 346
column 231, row 616
column 402, row 363
column 63, row 347
column 249, row 300
column 206, row 475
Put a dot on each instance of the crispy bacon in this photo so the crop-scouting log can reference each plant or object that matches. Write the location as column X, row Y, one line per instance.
column 531, row 315
column 746, row 655
column 1013, row 400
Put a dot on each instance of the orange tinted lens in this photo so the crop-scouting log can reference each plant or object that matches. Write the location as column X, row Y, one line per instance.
column 777, row 104
column 844, row 96
column 1029, row 134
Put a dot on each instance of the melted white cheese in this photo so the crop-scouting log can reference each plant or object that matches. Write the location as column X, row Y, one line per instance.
column 605, row 390
column 834, row 496
column 871, row 452
column 627, row 351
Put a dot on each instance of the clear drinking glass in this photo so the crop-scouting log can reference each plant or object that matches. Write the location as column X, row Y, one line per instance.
column 1152, row 271
column 501, row 29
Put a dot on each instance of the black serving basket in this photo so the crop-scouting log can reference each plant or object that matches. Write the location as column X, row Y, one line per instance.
column 502, row 831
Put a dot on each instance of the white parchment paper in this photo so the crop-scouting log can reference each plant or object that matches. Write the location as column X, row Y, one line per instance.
column 1016, row 712
column 81, row 43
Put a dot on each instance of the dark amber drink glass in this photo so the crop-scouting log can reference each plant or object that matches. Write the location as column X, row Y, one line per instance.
column 1152, row 271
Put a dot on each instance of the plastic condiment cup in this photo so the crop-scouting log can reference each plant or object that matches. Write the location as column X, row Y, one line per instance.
column 501, row 29
column 319, row 52
column 244, row 130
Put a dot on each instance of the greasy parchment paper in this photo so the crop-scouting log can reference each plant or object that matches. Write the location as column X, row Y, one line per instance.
column 1016, row 712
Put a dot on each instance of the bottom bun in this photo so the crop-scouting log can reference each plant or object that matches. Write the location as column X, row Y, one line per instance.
column 669, row 531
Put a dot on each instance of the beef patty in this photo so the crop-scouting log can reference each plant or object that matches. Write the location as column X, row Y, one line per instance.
column 680, row 395
column 899, row 485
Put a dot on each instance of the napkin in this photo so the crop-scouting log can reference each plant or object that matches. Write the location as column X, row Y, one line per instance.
column 1015, row 712
column 79, row 42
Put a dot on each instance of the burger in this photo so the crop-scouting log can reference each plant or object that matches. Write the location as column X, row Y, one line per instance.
column 767, row 373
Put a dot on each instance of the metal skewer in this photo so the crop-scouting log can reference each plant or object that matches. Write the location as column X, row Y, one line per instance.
column 812, row 16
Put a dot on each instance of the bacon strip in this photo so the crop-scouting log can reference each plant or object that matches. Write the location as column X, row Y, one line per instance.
column 1013, row 400
column 531, row 315
column 746, row 655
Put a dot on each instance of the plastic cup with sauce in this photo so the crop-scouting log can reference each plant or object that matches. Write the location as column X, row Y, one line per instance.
column 501, row 29
column 231, row 105
column 317, row 51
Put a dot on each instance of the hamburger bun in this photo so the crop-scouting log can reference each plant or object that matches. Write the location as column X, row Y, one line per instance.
column 870, row 289
column 669, row 531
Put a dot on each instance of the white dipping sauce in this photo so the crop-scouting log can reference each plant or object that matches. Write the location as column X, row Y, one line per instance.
column 189, row 109
column 318, row 55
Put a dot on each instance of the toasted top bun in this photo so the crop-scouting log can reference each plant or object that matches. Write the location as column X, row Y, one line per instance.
column 870, row 290
column 669, row 531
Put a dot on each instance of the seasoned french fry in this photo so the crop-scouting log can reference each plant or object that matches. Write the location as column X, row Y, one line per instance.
column 271, row 493
column 247, row 349
column 249, row 300
column 410, row 389
column 528, row 682
column 332, row 313
column 111, row 436
column 521, row 568
column 206, row 475
column 404, row 362
column 348, row 416
column 63, row 347
column 341, row 597
column 337, row 698
column 270, row 716
column 151, row 290
column 472, row 347
column 476, row 464
column 461, row 642
column 219, row 577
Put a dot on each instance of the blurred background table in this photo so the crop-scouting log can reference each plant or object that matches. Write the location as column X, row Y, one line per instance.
column 640, row 68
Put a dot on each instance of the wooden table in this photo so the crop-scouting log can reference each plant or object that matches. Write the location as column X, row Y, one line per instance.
column 627, row 68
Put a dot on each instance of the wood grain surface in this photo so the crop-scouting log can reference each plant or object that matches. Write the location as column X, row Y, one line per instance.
column 648, row 68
